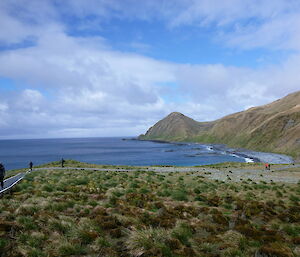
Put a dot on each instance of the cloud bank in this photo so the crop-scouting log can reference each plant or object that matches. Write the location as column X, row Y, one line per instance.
column 66, row 85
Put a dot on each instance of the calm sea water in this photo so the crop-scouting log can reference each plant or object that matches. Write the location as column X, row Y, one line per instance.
column 18, row 153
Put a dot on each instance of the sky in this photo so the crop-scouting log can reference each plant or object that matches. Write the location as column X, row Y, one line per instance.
column 97, row 68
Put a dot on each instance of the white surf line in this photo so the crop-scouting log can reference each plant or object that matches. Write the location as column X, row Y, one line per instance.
column 209, row 148
column 248, row 160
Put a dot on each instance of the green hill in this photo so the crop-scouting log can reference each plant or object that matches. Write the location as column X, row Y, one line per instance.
column 274, row 127
column 175, row 127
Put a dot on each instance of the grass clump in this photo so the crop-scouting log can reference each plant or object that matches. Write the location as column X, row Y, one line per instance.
column 3, row 244
column 142, row 213
column 179, row 195
column 69, row 249
column 148, row 241
column 183, row 233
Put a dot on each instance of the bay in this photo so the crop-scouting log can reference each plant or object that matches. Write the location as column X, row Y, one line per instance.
column 18, row 153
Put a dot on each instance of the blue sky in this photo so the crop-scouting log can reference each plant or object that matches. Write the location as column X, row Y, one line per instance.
column 79, row 68
column 192, row 44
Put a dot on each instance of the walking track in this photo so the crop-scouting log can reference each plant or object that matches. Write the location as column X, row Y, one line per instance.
column 11, row 182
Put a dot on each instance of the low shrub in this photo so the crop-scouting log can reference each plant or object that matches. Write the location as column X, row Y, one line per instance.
column 179, row 195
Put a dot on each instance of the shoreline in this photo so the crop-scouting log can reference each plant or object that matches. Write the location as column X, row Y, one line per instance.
column 114, row 151
column 228, row 171
column 247, row 154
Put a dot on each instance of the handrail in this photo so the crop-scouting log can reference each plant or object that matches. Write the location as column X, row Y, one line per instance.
column 13, row 184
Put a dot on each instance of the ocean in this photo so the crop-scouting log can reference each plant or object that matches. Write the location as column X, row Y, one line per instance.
column 18, row 153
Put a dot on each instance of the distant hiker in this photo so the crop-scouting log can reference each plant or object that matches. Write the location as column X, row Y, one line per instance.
column 267, row 166
column 30, row 166
column 62, row 162
column 2, row 174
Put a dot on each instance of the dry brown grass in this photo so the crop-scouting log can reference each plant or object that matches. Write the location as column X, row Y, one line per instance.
column 141, row 213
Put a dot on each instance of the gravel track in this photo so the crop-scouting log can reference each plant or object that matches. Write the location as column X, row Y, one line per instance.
column 276, row 174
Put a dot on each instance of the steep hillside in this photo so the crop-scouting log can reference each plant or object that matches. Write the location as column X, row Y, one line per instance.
column 272, row 127
column 174, row 127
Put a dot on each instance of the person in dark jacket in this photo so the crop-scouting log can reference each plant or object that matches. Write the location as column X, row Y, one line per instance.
column 30, row 166
column 2, row 175
column 62, row 162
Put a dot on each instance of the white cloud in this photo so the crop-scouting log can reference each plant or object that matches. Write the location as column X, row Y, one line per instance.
column 72, row 86
column 3, row 107
column 240, row 23
column 79, row 85
column 278, row 33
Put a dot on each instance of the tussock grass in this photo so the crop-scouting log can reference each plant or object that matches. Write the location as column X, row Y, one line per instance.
column 145, row 241
column 140, row 213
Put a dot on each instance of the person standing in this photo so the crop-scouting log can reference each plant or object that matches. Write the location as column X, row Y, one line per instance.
column 30, row 165
column 2, row 175
column 62, row 162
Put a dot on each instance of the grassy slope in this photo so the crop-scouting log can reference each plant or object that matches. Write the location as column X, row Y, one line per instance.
column 174, row 127
column 274, row 127
column 140, row 213
column 262, row 128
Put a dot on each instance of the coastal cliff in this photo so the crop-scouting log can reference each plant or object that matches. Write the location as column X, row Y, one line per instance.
column 274, row 127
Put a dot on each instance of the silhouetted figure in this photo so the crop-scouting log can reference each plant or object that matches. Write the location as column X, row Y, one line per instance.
column 2, row 174
column 269, row 166
column 62, row 162
column 30, row 166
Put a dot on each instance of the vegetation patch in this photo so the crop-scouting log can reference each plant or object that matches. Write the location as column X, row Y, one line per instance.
column 75, row 212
